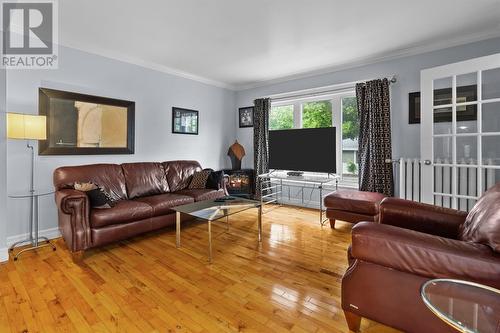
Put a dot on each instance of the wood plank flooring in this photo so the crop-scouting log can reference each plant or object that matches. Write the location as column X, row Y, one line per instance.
column 289, row 283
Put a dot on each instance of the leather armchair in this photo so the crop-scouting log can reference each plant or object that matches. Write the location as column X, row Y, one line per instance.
column 414, row 242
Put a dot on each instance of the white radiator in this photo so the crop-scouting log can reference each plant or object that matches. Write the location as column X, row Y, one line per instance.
column 408, row 178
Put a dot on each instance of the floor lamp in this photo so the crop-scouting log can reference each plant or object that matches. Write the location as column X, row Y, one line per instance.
column 28, row 127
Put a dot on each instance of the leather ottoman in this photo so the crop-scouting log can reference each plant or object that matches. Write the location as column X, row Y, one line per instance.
column 352, row 206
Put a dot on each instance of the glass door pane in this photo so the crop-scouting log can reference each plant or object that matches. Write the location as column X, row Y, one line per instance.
column 490, row 84
column 491, row 117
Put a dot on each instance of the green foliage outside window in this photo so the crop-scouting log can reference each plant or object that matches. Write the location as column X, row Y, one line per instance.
column 352, row 167
column 317, row 114
column 350, row 124
column 281, row 117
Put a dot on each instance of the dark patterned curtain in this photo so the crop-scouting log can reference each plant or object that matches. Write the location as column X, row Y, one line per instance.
column 375, row 175
column 260, row 140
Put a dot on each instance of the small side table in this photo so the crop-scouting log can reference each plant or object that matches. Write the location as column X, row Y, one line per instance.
column 34, row 239
column 466, row 306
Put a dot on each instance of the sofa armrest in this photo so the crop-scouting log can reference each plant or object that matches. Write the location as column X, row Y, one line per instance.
column 425, row 255
column 429, row 219
column 73, row 212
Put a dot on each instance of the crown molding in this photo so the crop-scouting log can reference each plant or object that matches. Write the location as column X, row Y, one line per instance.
column 363, row 61
column 147, row 64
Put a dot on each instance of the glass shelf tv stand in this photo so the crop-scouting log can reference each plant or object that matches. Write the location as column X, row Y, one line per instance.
column 271, row 187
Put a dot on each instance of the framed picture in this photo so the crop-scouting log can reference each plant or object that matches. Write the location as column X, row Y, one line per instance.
column 79, row 124
column 184, row 121
column 443, row 97
column 246, row 116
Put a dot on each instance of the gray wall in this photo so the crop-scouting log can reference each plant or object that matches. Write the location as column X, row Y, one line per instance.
column 406, row 137
column 3, row 167
column 154, row 93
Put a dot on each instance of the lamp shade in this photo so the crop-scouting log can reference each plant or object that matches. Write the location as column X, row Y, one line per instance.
column 28, row 127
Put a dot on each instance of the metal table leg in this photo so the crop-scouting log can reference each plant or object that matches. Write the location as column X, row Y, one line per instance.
column 259, row 223
column 177, row 229
column 227, row 219
column 209, row 241
column 320, row 205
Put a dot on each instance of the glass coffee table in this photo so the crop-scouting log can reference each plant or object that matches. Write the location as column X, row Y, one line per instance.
column 467, row 306
column 212, row 210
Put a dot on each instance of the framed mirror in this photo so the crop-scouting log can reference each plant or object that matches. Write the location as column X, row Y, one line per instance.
column 79, row 124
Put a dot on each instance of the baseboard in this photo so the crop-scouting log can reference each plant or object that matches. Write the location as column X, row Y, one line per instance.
column 49, row 233
column 4, row 254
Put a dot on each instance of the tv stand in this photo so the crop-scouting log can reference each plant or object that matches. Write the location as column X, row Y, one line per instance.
column 271, row 187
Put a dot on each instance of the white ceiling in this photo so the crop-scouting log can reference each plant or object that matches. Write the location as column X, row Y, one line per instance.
column 238, row 43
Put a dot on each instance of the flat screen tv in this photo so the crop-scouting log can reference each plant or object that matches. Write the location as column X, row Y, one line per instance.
column 307, row 149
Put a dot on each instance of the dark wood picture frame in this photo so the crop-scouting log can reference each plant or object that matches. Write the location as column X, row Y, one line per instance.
column 44, row 148
column 182, row 110
column 443, row 97
column 241, row 114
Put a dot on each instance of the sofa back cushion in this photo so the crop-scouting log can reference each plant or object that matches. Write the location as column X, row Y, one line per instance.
column 144, row 179
column 179, row 173
column 108, row 176
column 483, row 221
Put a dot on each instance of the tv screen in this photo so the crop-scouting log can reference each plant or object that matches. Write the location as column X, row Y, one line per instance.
column 307, row 149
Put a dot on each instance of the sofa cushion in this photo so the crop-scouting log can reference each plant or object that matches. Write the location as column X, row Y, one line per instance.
column 482, row 224
column 202, row 194
column 162, row 203
column 108, row 176
column 199, row 179
column 354, row 201
column 144, row 179
column 179, row 173
column 123, row 212
column 215, row 179
column 424, row 255
column 98, row 197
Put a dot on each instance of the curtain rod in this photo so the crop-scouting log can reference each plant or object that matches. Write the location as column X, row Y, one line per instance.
column 338, row 88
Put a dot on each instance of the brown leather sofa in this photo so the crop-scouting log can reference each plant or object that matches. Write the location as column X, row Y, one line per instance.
column 414, row 242
column 146, row 193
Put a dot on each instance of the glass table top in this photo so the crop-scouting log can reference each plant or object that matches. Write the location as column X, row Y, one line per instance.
column 213, row 210
column 467, row 306
column 28, row 194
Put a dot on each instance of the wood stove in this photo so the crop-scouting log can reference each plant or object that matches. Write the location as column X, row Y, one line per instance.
column 241, row 183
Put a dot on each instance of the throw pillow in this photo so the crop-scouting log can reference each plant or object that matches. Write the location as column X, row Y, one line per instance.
column 199, row 179
column 482, row 224
column 98, row 197
column 215, row 179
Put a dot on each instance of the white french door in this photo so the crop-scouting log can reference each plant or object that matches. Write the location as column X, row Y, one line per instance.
column 460, row 131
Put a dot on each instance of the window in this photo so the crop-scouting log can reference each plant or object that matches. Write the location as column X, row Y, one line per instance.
column 350, row 133
column 317, row 114
column 281, row 117
column 339, row 111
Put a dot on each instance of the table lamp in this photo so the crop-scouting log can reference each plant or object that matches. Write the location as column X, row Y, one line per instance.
column 27, row 127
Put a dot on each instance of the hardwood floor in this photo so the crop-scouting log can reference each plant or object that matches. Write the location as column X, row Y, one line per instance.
column 290, row 283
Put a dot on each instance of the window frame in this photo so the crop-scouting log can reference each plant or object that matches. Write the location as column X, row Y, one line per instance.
column 336, row 100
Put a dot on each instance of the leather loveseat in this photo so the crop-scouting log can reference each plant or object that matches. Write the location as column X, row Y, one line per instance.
column 414, row 242
column 145, row 193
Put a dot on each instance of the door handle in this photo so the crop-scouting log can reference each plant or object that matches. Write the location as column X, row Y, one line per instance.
column 427, row 162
